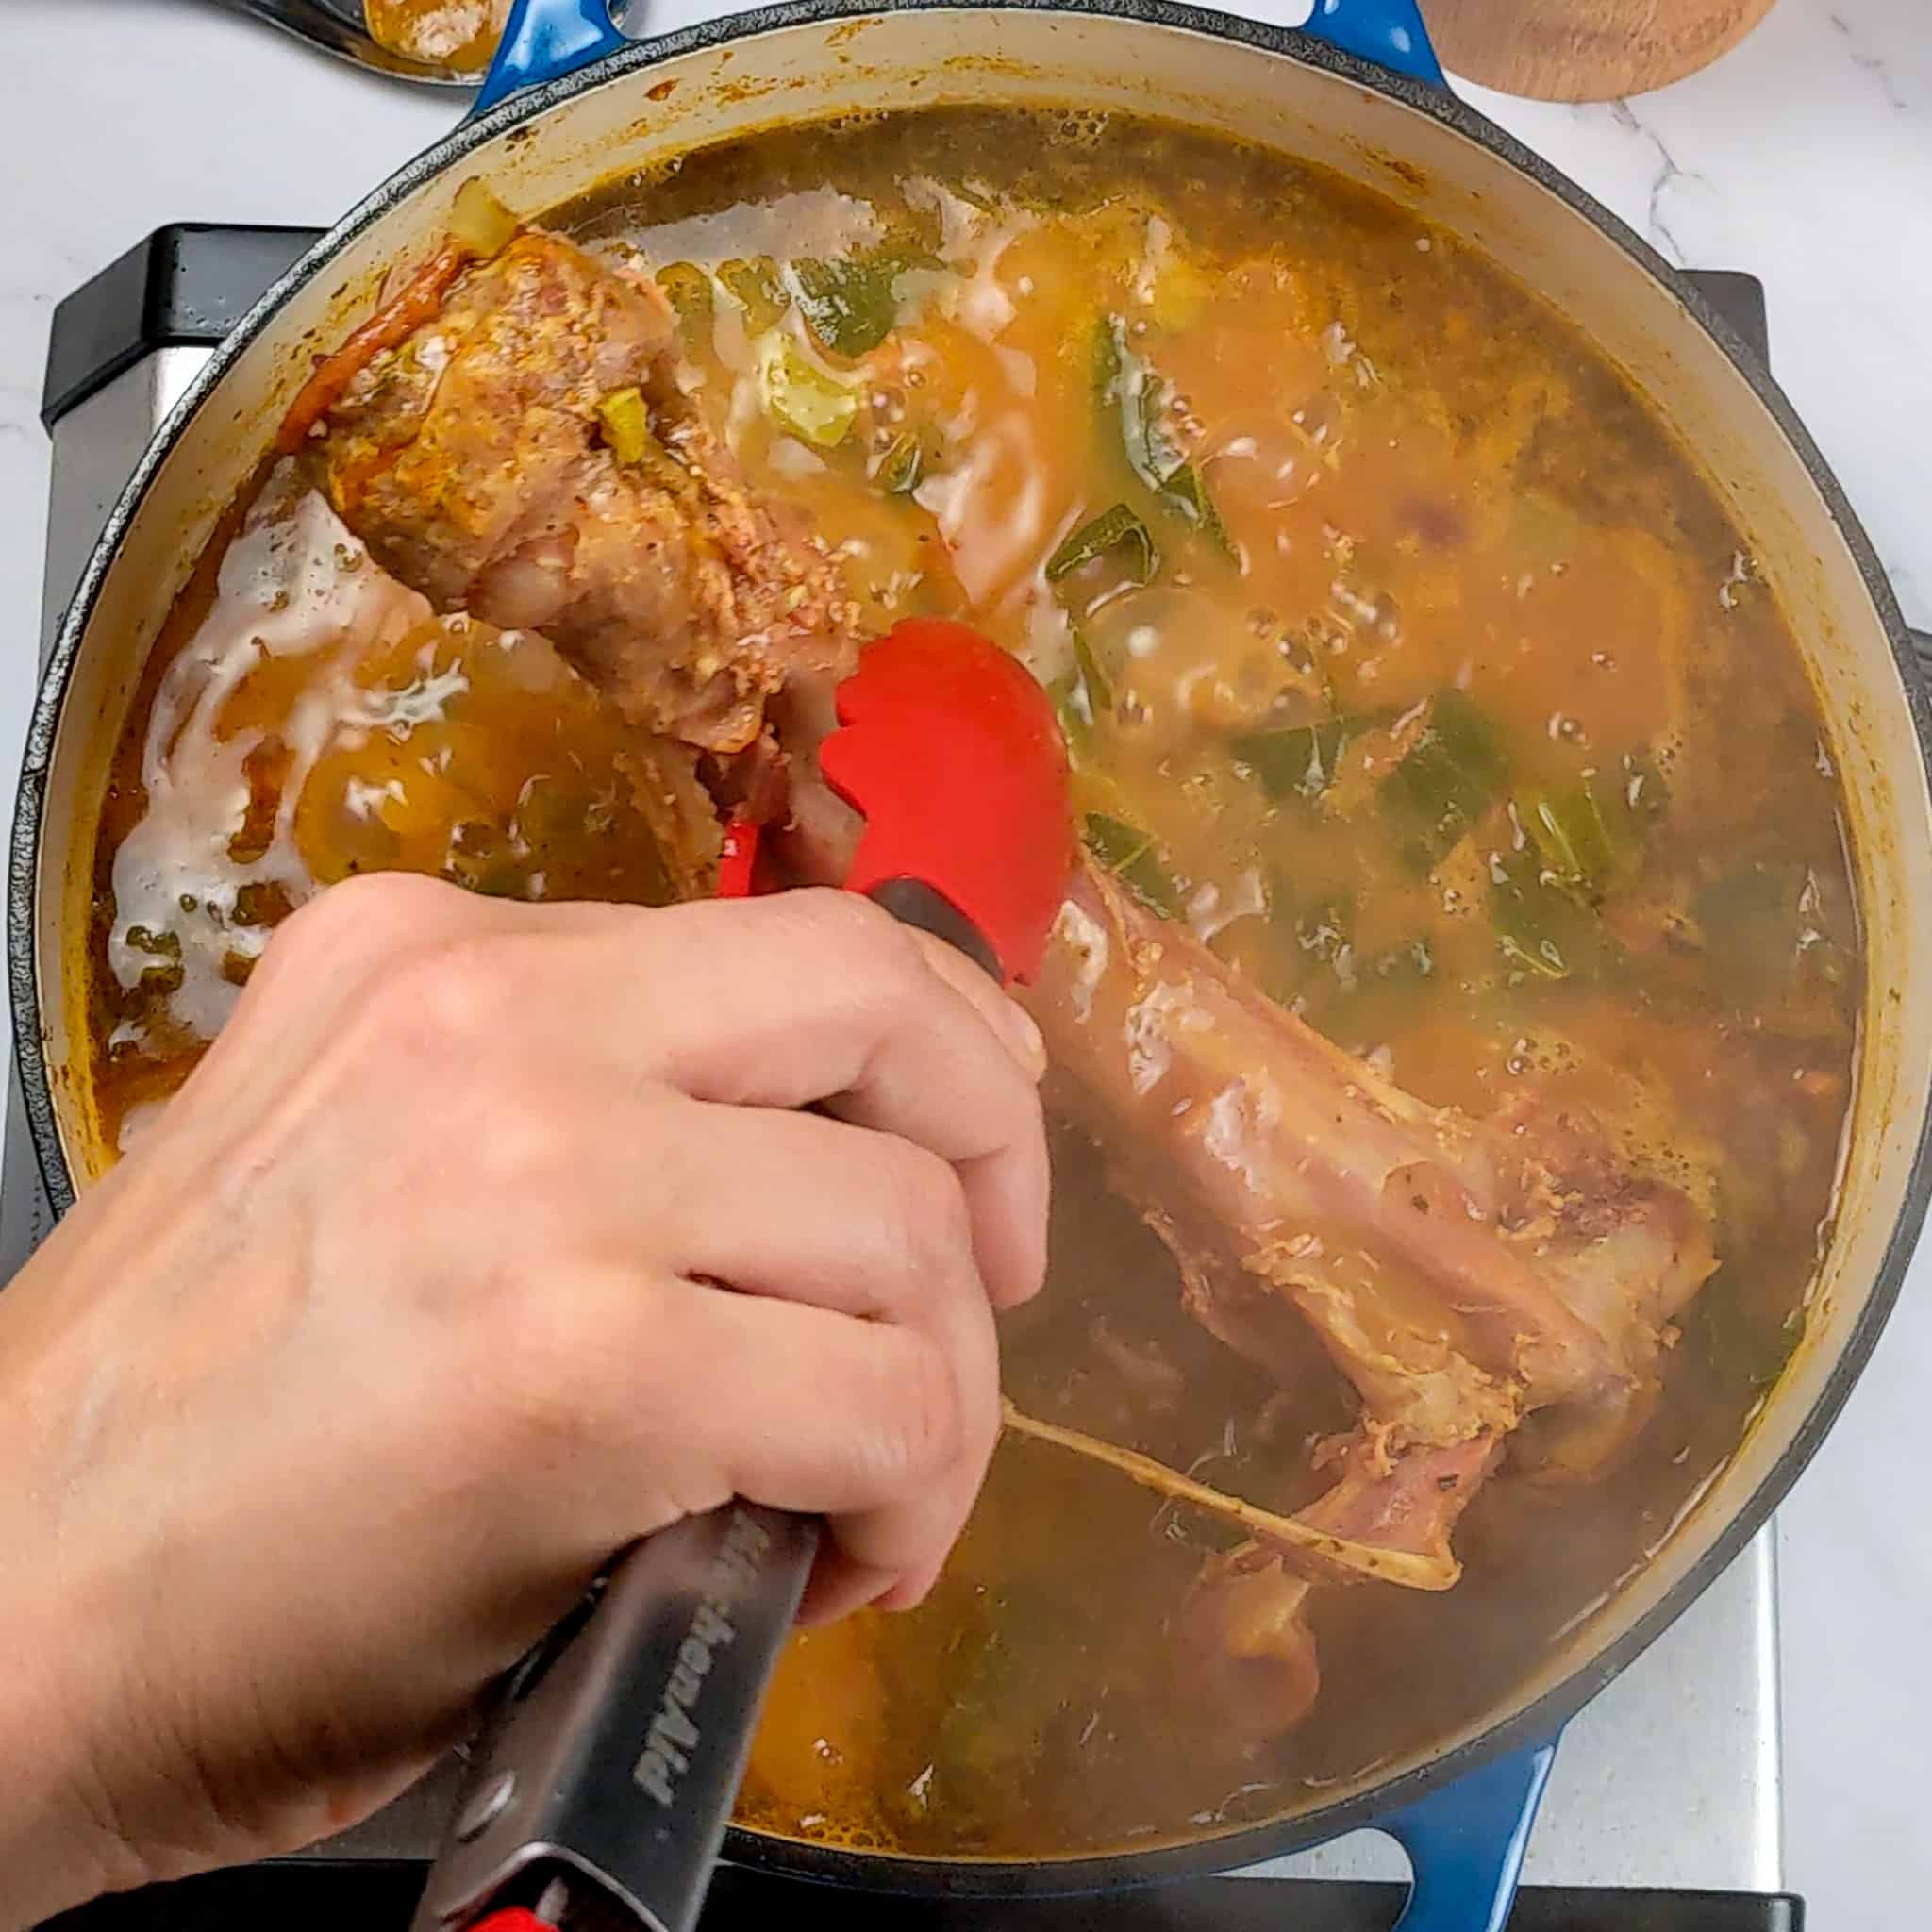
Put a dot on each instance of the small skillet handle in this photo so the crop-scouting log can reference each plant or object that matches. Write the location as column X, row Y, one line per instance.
column 1465, row 1844
column 1388, row 32
column 545, row 39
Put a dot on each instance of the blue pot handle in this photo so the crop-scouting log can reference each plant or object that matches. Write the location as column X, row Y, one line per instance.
column 1388, row 32
column 1465, row 1845
column 543, row 40
column 547, row 39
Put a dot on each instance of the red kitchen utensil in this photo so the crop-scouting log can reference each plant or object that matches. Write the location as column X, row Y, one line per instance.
column 950, row 751
column 608, row 1773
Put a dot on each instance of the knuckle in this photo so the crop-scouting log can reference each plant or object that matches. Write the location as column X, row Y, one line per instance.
column 864, row 945
column 448, row 1000
column 351, row 929
column 926, row 1219
column 369, row 912
column 545, row 1357
column 930, row 1419
column 532, row 1151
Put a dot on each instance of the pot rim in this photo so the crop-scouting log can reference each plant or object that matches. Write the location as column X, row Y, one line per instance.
column 1537, row 1722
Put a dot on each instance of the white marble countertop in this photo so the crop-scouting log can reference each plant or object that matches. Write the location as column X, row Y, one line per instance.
column 1804, row 157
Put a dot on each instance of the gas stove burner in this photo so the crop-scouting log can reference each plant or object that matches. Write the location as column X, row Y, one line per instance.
column 1662, row 1813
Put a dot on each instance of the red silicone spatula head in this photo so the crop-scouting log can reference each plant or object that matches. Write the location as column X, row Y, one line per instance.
column 951, row 751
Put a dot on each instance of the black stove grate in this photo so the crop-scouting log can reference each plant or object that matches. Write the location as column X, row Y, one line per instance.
column 317, row 1896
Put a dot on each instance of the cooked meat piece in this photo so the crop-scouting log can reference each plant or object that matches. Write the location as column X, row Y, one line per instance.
column 1243, row 1630
column 1411, row 1502
column 1460, row 1275
column 1310, row 1165
column 1244, row 1625
column 679, row 810
column 527, row 454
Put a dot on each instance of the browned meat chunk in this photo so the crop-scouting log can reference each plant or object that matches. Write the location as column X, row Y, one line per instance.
column 527, row 454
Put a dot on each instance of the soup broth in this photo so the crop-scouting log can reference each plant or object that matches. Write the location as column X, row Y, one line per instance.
column 1402, row 657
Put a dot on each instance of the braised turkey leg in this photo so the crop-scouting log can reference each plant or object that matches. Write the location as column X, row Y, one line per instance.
column 527, row 454
column 1460, row 1275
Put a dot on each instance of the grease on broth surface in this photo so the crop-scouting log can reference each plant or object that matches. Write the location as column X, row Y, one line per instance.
column 1403, row 657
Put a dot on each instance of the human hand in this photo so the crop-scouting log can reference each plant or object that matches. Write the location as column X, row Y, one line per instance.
column 334, row 1396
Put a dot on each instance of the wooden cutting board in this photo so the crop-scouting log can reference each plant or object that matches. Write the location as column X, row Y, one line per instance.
column 1585, row 50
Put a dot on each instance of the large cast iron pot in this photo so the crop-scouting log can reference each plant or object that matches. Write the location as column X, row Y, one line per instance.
column 571, row 101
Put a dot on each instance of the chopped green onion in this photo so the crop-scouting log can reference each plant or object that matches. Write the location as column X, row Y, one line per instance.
column 814, row 406
column 1129, row 853
column 1185, row 489
column 1117, row 528
column 626, row 425
column 1130, row 391
column 1448, row 781
column 1073, row 707
column 756, row 287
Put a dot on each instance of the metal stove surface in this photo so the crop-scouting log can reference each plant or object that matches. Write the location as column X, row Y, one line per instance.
column 1669, row 1781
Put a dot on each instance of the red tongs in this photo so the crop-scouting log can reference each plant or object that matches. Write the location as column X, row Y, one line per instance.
column 602, row 1788
column 950, row 752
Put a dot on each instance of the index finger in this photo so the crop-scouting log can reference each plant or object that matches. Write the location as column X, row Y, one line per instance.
column 819, row 998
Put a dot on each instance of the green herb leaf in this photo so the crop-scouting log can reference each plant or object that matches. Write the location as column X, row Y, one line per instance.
column 1117, row 528
column 1073, row 705
column 688, row 289
column 1764, row 922
column 757, row 289
column 1544, row 929
column 1133, row 397
column 1185, row 490
column 1093, row 675
column 1450, row 777
column 1301, row 759
column 1568, row 831
column 1005, row 1686
column 852, row 304
column 1129, row 854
